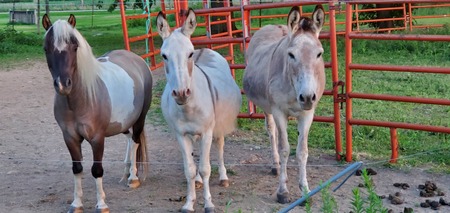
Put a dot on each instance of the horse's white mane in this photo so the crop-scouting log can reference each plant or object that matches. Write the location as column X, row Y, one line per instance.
column 87, row 64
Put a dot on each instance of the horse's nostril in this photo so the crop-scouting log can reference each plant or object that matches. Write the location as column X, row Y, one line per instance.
column 188, row 92
column 68, row 82
column 55, row 83
column 302, row 99
column 313, row 97
column 174, row 93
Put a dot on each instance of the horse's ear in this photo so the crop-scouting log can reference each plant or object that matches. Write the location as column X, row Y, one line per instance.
column 293, row 19
column 46, row 23
column 162, row 25
column 190, row 23
column 72, row 20
column 318, row 18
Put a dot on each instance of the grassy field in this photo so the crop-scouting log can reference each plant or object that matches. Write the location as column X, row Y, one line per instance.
column 103, row 31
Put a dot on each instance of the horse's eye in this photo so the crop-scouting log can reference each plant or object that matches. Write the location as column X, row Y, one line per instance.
column 190, row 55
column 291, row 55
column 318, row 55
column 164, row 56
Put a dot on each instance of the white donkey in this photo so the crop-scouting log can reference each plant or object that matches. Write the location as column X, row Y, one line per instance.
column 200, row 102
column 285, row 77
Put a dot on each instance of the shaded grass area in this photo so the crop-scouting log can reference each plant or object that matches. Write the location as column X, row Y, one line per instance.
column 369, row 143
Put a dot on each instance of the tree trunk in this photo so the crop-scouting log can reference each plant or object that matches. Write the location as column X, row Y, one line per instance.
column 220, row 28
column 385, row 14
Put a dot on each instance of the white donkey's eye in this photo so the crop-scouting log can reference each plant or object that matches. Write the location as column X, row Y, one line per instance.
column 190, row 55
column 318, row 55
column 164, row 56
column 292, row 56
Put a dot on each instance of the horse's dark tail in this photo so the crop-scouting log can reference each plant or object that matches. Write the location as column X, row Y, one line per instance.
column 141, row 155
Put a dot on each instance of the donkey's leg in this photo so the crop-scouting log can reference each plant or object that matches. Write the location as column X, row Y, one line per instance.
column 281, row 123
column 74, row 146
column 304, row 123
column 97, row 173
column 127, row 160
column 273, row 137
column 220, row 141
column 189, row 171
column 205, row 168
column 198, row 178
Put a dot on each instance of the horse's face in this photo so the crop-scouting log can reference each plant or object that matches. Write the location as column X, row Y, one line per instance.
column 305, row 66
column 177, row 51
column 61, row 53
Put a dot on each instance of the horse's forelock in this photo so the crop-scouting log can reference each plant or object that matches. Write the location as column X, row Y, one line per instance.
column 63, row 34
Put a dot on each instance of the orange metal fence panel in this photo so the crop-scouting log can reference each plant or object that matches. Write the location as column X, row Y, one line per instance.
column 350, row 67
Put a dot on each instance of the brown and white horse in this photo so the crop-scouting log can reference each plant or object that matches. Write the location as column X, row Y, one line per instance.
column 285, row 77
column 200, row 102
column 97, row 98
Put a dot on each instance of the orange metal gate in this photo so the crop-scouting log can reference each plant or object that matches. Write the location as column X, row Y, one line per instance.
column 241, row 37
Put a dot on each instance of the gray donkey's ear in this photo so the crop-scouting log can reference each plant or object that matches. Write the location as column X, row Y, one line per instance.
column 162, row 25
column 293, row 19
column 46, row 23
column 318, row 18
column 189, row 25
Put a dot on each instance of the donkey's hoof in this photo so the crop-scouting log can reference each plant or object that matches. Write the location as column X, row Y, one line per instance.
column 74, row 209
column 275, row 171
column 209, row 210
column 105, row 210
column 187, row 211
column 224, row 183
column 134, row 183
column 283, row 198
column 198, row 185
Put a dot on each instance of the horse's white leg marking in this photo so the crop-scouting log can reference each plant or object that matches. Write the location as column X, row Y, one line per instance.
column 127, row 158
column 189, row 170
column 284, row 149
column 133, row 180
column 220, row 142
column 78, row 191
column 302, row 147
column 205, row 166
column 100, row 195
column 273, row 137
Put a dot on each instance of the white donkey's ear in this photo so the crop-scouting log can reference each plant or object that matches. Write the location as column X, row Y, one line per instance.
column 318, row 18
column 162, row 25
column 293, row 20
column 189, row 25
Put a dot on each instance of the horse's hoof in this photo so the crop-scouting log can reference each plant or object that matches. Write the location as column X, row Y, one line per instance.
column 187, row 211
column 283, row 198
column 275, row 171
column 73, row 209
column 224, row 183
column 198, row 185
column 105, row 210
column 209, row 210
column 134, row 183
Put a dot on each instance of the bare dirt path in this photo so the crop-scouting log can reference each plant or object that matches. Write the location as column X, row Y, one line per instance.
column 35, row 167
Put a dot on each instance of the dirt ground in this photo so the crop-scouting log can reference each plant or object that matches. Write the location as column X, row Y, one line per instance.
column 35, row 167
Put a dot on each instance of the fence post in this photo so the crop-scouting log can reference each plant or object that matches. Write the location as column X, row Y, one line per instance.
column 348, row 82
column 335, row 79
